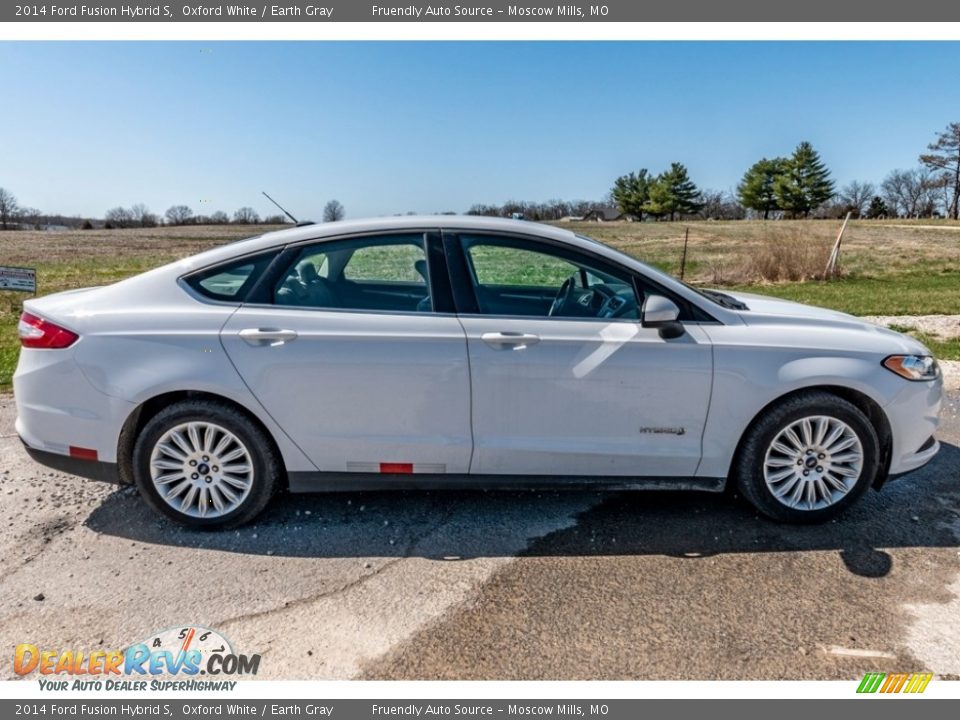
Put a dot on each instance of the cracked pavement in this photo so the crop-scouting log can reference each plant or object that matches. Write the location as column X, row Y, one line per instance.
column 500, row 585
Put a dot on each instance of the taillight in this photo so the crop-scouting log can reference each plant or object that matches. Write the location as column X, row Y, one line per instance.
column 36, row 332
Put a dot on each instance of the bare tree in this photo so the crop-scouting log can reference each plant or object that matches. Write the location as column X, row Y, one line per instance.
column 30, row 216
column 333, row 211
column 484, row 210
column 219, row 218
column 142, row 216
column 119, row 217
column 941, row 186
column 910, row 193
column 945, row 157
column 855, row 197
column 179, row 215
column 8, row 209
column 246, row 216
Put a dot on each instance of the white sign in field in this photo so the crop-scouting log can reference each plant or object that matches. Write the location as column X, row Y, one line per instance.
column 18, row 278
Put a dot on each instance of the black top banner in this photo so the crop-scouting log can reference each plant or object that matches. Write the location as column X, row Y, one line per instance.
column 484, row 11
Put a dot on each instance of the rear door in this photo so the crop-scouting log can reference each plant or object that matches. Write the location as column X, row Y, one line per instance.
column 359, row 357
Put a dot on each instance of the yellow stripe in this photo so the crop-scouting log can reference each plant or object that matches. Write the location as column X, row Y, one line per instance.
column 923, row 683
column 912, row 683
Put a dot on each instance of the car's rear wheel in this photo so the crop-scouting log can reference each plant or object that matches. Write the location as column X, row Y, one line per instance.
column 205, row 464
column 807, row 458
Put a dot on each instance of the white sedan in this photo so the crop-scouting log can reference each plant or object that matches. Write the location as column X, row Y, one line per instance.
column 442, row 351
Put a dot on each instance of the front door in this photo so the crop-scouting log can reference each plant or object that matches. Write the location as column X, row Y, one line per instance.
column 565, row 381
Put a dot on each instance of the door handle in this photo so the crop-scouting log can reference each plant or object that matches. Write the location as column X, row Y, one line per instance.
column 512, row 340
column 267, row 336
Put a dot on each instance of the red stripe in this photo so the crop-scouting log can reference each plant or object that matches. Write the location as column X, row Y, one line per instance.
column 403, row 468
column 83, row 453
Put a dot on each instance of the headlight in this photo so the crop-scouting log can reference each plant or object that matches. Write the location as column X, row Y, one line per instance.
column 913, row 367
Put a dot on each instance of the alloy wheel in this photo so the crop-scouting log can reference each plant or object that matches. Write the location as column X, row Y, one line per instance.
column 201, row 469
column 813, row 463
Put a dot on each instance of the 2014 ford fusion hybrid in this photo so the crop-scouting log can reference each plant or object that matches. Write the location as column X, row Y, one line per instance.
column 440, row 351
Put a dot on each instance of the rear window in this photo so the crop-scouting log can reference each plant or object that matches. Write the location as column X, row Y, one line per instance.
column 232, row 281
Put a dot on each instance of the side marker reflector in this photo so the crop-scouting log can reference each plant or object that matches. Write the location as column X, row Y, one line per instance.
column 83, row 453
column 400, row 468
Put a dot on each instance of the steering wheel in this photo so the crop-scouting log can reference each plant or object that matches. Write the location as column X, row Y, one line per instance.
column 614, row 305
column 563, row 295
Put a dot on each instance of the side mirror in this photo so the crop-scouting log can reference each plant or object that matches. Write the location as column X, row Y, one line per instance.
column 663, row 314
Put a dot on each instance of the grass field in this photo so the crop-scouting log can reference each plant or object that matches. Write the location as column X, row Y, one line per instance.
column 890, row 267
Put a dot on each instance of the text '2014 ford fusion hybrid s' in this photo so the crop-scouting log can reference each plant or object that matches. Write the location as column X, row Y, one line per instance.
column 455, row 351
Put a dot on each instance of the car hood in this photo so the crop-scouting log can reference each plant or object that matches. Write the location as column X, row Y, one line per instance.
column 765, row 310
column 766, row 305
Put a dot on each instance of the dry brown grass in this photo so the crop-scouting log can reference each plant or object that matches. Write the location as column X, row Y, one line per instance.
column 722, row 252
column 162, row 243
column 792, row 259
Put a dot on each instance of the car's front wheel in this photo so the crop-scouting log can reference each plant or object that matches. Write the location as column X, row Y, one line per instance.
column 205, row 464
column 807, row 458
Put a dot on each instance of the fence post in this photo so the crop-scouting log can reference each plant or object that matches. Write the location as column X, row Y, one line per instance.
column 683, row 258
column 835, row 253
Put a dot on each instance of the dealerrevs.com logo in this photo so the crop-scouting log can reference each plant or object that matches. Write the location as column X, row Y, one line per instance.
column 154, row 663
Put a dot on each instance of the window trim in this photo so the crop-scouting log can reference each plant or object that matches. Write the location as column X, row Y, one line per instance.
column 467, row 303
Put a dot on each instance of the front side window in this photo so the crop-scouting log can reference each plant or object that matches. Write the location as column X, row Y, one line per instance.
column 386, row 273
column 525, row 278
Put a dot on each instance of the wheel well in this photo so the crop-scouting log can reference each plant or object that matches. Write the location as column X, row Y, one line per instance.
column 147, row 409
column 864, row 403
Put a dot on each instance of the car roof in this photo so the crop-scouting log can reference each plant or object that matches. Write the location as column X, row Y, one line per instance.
column 412, row 222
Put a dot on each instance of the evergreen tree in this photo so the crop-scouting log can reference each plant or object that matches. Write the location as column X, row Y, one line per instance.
column 878, row 208
column 805, row 183
column 757, row 190
column 673, row 193
column 630, row 192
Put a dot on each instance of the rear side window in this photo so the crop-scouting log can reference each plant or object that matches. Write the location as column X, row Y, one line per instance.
column 387, row 263
column 230, row 282
column 378, row 273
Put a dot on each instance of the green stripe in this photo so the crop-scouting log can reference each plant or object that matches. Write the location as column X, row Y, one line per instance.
column 871, row 682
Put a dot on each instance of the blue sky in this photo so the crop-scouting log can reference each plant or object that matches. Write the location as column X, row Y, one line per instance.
column 430, row 127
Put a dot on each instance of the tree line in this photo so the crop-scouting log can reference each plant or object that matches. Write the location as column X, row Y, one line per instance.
column 794, row 186
column 538, row 211
column 14, row 216
column 798, row 186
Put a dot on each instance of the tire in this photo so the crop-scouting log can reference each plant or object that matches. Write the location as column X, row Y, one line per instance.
column 824, row 476
column 168, row 460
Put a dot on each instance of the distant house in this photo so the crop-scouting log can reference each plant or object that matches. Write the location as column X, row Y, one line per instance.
column 607, row 214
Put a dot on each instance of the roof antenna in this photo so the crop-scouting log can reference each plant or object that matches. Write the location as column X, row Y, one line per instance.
column 295, row 221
